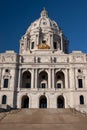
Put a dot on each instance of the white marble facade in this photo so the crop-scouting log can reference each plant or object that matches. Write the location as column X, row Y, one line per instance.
column 43, row 74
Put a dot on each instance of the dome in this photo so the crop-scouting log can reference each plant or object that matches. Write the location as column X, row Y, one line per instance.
column 43, row 34
column 44, row 22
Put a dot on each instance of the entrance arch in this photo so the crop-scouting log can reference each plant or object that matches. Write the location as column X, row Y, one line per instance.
column 60, row 102
column 43, row 102
column 25, row 102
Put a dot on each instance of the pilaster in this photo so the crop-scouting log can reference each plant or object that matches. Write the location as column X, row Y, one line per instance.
column 61, row 41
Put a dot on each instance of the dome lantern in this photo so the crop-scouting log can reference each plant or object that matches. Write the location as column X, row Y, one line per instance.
column 44, row 13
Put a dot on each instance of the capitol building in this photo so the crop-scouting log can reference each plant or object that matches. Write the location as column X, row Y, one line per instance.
column 44, row 74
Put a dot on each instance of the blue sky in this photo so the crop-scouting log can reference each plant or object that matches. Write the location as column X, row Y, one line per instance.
column 17, row 15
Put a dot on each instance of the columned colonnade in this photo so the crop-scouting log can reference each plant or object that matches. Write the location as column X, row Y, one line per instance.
column 53, row 77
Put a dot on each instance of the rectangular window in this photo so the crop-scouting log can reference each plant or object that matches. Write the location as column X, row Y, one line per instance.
column 54, row 59
column 58, row 85
column 28, row 85
column 55, row 45
column 32, row 45
column 81, row 100
column 80, row 84
column 38, row 59
column 5, row 83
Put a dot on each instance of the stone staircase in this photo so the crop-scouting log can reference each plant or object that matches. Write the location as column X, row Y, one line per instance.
column 43, row 119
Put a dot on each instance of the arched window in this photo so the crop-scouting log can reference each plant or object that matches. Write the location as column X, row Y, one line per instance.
column 26, row 80
column 5, row 83
column 60, row 80
column 43, row 80
column 81, row 99
column 4, row 98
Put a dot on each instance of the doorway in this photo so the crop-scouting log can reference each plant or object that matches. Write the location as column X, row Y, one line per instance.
column 43, row 102
column 60, row 102
column 25, row 102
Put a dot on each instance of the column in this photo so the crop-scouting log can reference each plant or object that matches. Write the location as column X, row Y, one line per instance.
column 53, row 79
column 28, row 43
column 51, row 41
column 25, row 42
column 49, row 79
column 36, row 78
column 19, row 79
column 37, row 39
column 32, row 80
column 0, row 77
column 66, row 79
column 61, row 41
column 75, row 79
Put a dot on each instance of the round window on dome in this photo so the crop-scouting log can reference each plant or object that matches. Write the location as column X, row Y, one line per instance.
column 35, row 24
column 54, row 25
column 44, row 23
